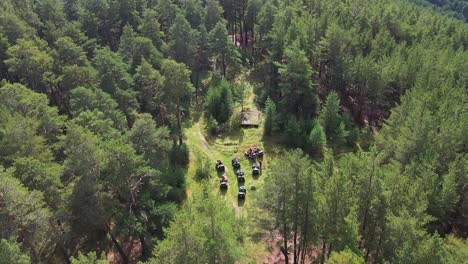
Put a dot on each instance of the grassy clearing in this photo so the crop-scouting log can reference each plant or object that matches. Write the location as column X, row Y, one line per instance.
column 226, row 147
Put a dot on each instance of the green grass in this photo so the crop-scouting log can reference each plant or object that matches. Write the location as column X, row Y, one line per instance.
column 225, row 147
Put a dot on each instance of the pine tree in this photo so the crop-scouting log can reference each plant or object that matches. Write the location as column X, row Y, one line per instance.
column 219, row 102
column 213, row 12
column 30, row 60
column 127, row 44
column 149, row 83
column 317, row 138
column 183, row 43
column 270, row 124
column 150, row 28
column 112, row 71
column 90, row 258
column 289, row 197
column 10, row 253
column 178, row 92
column 330, row 115
column 214, row 238
column 222, row 48
column 298, row 95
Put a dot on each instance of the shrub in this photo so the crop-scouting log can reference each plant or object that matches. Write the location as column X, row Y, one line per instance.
column 203, row 168
column 219, row 103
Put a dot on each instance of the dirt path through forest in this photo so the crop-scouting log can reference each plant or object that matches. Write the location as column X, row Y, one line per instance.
column 213, row 155
column 203, row 142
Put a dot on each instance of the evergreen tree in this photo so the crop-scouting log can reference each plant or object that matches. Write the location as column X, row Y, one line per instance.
column 167, row 11
column 30, row 60
column 10, row 253
column 289, row 196
column 178, row 92
column 144, row 49
column 89, row 258
column 330, row 115
column 183, row 43
column 298, row 95
column 270, row 125
column 83, row 99
column 25, row 217
column 219, row 102
column 345, row 257
column 150, row 28
column 194, row 13
column 317, row 138
column 213, row 12
column 213, row 239
column 149, row 84
column 112, row 71
column 127, row 44
column 222, row 48
column 151, row 142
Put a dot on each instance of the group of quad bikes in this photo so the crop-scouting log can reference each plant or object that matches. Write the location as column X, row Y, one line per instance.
column 253, row 154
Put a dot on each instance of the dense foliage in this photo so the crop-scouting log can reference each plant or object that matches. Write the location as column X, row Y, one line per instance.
column 95, row 97
column 369, row 54
column 455, row 8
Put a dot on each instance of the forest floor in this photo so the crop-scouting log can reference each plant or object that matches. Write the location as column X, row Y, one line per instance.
column 225, row 147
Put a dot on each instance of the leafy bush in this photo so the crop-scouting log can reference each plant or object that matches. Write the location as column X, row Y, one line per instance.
column 219, row 103
column 211, row 125
column 235, row 122
column 203, row 168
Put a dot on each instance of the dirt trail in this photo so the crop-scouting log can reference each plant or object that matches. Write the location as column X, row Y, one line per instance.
column 203, row 142
column 213, row 154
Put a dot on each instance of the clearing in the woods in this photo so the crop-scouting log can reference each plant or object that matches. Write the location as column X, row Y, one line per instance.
column 225, row 147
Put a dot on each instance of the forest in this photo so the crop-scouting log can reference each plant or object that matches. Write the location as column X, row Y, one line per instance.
column 345, row 122
column 455, row 8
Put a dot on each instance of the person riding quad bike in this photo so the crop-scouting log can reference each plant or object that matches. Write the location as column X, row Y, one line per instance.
column 242, row 192
column 220, row 166
column 240, row 176
column 256, row 169
column 236, row 163
column 223, row 183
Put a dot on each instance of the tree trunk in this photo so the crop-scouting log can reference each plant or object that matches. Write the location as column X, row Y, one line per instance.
column 330, row 248
column 285, row 236
column 241, row 33
column 145, row 252
column 66, row 257
column 295, row 245
column 253, row 43
column 296, row 216
column 322, row 260
column 246, row 39
column 231, row 25
column 235, row 31
column 366, row 212
column 284, row 250
column 304, row 233
column 224, row 65
column 119, row 248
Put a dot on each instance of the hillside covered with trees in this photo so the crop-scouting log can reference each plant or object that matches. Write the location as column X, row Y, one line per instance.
column 113, row 113
column 455, row 8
